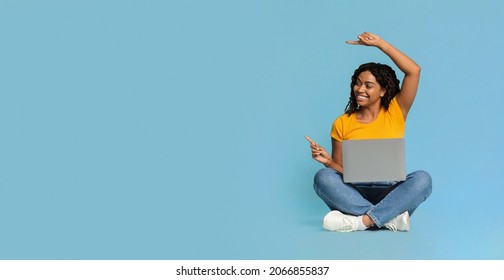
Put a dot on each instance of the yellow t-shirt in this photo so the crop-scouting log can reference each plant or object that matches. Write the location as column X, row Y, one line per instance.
column 389, row 124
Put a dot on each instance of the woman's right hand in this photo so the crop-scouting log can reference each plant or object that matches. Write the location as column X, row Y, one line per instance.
column 319, row 153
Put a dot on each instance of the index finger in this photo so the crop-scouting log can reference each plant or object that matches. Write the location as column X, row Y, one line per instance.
column 310, row 140
column 353, row 42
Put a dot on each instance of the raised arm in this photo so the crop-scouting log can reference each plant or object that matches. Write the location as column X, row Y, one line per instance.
column 409, row 67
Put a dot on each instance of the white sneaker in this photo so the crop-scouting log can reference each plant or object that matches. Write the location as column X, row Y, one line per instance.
column 337, row 221
column 399, row 223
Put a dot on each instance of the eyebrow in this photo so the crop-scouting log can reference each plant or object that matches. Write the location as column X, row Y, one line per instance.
column 365, row 81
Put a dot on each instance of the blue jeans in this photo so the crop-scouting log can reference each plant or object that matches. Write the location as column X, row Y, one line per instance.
column 381, row 201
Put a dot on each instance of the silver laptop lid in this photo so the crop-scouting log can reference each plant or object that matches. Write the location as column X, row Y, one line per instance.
column 373, row 160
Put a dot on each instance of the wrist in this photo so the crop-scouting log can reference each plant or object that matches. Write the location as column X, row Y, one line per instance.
column 383, row 45
column 328, row 162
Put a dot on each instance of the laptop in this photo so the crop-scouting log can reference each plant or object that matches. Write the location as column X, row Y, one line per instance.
column 373, row 160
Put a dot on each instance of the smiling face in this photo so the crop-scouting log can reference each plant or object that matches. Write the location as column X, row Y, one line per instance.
column 367, row 90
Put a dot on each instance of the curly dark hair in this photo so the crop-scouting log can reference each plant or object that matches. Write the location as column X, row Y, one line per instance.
column 385, row 76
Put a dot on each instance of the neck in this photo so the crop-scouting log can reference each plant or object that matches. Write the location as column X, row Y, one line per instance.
column 369, row 113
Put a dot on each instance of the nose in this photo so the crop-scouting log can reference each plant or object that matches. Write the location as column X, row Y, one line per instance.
column 361, row 88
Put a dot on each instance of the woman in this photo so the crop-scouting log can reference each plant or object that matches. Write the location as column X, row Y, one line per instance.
column 377, row 108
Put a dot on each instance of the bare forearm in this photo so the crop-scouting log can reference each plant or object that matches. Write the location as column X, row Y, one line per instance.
column 334, row 165
column 406, row 64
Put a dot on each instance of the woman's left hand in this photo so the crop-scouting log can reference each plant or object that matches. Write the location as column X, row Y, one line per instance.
column 366, row 39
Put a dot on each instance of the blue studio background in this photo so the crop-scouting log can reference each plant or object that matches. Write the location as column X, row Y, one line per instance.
column 174, row 129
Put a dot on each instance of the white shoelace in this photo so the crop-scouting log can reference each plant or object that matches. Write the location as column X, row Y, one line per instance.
column 347, row 225
column 391, row 226
column 397, row 222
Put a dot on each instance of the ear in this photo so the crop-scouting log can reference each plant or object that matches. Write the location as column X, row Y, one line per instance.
column 382, row 92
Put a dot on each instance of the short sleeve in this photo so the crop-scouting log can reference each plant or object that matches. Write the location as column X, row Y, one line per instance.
column 396, row 112
column 337, row 129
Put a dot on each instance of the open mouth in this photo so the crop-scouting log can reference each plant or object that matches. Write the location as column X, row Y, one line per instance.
column 362, row 97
